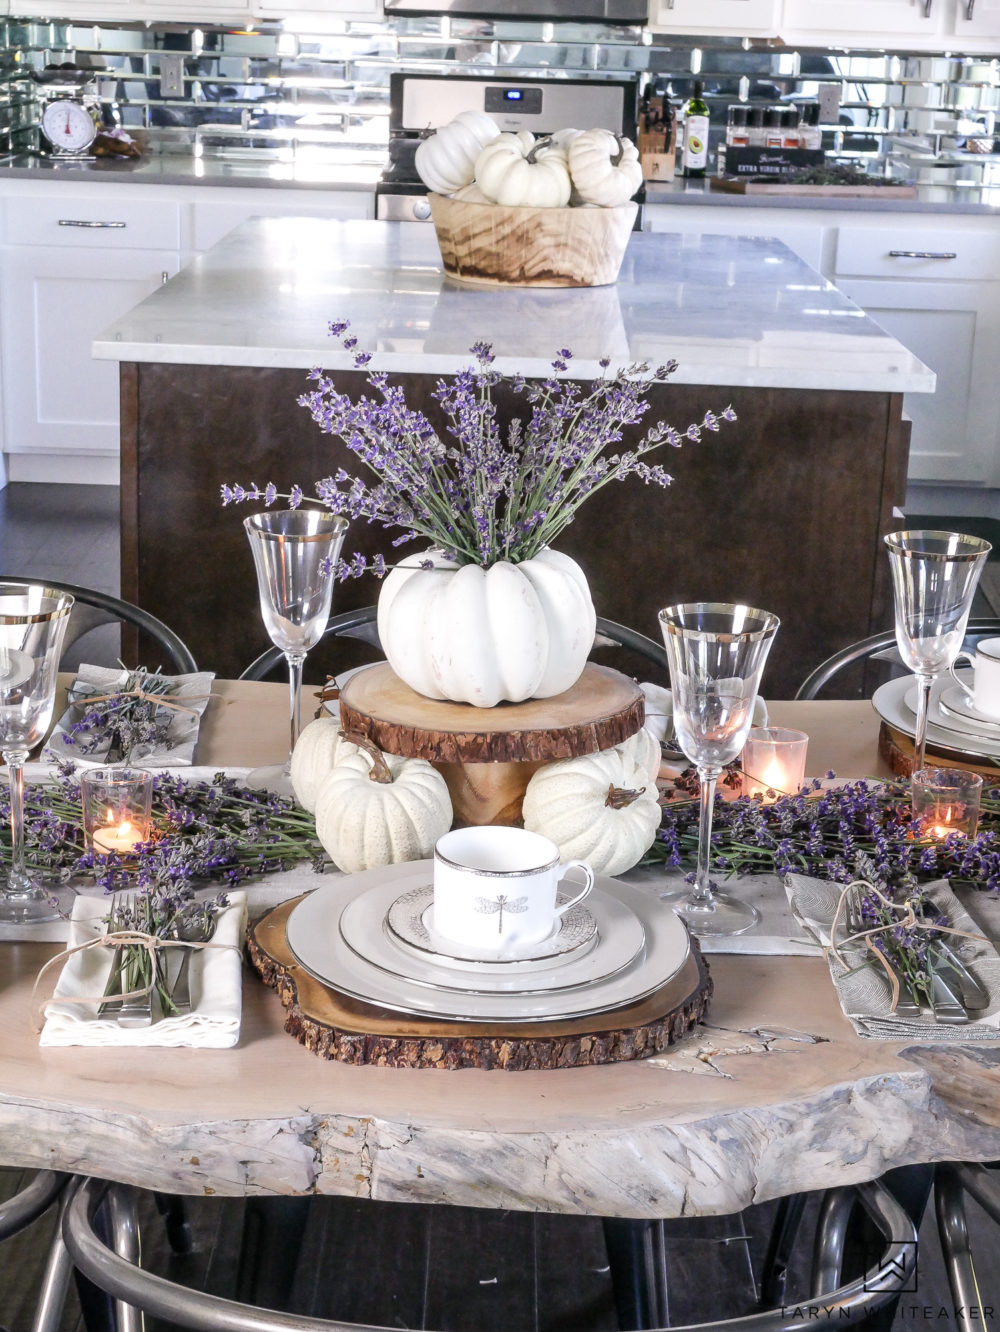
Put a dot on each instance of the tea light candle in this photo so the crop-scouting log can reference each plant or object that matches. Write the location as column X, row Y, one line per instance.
column 774, row 762
column 119, row 838
column 945, row 801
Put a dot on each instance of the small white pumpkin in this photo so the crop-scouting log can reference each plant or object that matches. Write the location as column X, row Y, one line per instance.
column 377, row 809
column 320, row 746
column 522, row 172
column 474, row 635
column 598, row 808
column 471, row 194
column 643, row 749
column 447, row 160
column 604, row 167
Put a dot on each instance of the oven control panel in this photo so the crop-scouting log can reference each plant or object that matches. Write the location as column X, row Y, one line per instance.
column 524, row 101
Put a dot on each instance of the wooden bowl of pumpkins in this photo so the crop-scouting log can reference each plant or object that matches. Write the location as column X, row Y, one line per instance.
column 513, row 209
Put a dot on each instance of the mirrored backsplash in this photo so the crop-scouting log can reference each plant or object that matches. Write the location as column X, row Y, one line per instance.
column 294, row 94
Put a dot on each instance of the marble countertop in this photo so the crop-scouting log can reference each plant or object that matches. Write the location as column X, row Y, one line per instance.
column 981, row 200
column 734, row 311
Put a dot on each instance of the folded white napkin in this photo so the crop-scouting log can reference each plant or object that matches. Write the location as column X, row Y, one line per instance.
column 216, row 988
column 660, row 713
column 864, row 991
column 192, row 691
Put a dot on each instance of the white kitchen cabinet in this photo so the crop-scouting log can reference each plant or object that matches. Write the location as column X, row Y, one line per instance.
column 803, row 232
column 57, row 399
column 215, row 218
column 149, row 11
column 937, row 290
column 749, row 18
column 917, row 25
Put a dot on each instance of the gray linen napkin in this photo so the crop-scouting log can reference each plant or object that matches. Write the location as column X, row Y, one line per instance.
column 182, row 734
column 864, row 993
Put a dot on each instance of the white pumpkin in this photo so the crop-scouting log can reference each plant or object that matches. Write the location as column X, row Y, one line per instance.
column 320, row 746
column 480, row 636
column 598, row 808
column 447, row 160
column 471, row 194
column 376, row 809
column 519, row 171
column 643, row 749
column 604, row 167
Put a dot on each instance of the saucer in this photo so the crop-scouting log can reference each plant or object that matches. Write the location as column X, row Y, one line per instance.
column 958, row 703
column 411, row 920
column 317, row 942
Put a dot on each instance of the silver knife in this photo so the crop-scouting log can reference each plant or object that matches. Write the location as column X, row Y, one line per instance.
column 958, row 977
column 944, row 1001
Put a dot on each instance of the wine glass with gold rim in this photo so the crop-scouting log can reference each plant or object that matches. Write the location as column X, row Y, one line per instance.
column 934, row 578
column 716, row 653
column 293, row 552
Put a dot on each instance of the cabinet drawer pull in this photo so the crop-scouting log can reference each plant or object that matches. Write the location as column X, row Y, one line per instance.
column 927, row 8
column 968, row 10
column 922, row 254
column 72, row 222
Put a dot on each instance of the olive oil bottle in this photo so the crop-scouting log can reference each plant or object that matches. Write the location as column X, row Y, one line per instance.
column 694, row 159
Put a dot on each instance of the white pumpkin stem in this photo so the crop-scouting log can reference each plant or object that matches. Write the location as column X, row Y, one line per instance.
column 619, row 798
column 547, row 142
column 328, row 694
column 616, row 158
column 380, row 769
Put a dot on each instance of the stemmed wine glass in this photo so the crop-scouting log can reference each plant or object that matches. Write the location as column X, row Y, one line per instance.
column 934, row 578
column 33, row 620
column 716, row 652
column 293, row 550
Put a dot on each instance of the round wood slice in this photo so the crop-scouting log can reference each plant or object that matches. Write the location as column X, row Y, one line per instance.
column 338, row 1027
column 601, row 710
column 897, row 749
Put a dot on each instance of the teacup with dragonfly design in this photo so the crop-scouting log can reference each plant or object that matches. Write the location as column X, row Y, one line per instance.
column 496, row 887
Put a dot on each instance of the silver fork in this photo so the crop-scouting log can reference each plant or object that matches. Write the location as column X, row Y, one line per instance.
column 905, row 1006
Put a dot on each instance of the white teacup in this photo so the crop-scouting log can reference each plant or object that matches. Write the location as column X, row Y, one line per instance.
column 985, row 696
column 495, row 887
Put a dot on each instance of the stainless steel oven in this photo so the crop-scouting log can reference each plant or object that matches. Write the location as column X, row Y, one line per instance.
column 423, row 102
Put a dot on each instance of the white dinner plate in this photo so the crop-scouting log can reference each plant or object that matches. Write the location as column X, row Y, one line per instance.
column 315, row 939
column 363, row 928
column 889, row 701
column 947, row 717
column 410, row 919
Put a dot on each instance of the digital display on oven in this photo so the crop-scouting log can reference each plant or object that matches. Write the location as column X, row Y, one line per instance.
column 525, row 101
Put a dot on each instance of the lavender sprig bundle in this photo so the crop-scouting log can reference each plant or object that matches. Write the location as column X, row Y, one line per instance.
column 829, row 833
column 475, row 491
column 206, row 831
column 126, row 719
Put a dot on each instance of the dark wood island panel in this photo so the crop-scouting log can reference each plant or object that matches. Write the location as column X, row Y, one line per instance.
column 784, row 509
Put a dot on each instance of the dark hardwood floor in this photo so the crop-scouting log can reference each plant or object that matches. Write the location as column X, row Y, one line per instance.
column 399, row 1265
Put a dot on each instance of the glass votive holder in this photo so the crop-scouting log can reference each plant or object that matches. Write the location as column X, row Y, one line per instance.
column 945, row 800
column 116, row 808
column 774, row 762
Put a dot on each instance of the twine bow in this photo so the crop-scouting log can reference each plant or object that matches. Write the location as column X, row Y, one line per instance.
column 149, row 943
column 161, row 700
column 908, row 920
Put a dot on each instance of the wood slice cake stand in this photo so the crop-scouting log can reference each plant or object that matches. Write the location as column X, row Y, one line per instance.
column 336, row 1026
column 488, row 755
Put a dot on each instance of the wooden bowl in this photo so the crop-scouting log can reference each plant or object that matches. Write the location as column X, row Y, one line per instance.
column 497, row 245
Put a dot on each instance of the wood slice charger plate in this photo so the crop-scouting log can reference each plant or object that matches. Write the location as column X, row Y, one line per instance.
column 488, row 755
column 336, row 1026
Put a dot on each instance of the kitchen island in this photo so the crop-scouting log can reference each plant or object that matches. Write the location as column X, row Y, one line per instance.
column 783, row 509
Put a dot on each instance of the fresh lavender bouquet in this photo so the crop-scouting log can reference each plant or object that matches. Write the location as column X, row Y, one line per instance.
column 477, row 491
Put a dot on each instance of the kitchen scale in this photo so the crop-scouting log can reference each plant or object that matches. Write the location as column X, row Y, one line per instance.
column 67, row 121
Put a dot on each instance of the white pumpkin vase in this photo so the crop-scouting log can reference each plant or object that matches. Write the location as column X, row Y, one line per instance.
column 485, row 636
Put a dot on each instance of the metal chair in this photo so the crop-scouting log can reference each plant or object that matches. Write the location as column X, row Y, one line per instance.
column 881, row 647
column 361, row 624
column 93, row 608
column 952, row 1181
column 21, row 1211
column 849, row 1302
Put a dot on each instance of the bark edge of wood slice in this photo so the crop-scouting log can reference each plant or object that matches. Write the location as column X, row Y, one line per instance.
column 601, row 710
column 531, row 247
column 339, row 1028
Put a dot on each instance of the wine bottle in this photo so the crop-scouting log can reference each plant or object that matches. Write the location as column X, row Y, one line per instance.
column 695, row 156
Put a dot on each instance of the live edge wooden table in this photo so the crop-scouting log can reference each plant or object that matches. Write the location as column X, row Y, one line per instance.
column 776, row 1094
